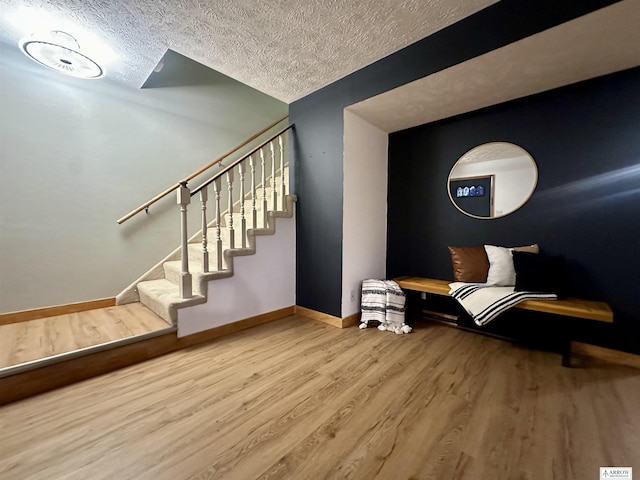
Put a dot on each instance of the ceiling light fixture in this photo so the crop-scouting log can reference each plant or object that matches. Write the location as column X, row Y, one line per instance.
column 60, row 51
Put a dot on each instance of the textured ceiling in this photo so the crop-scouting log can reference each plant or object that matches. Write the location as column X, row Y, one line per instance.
column 596, row 44
column 492, row 152
column 285, row 48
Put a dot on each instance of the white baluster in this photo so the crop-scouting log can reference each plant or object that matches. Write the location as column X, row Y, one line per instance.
column 264, row 190
column 283, row 189
column 254, row 212
column 184, row 198
column 217, row 187
column 230, row 212
column 273, row 176
column 204, row 196
column 243, row 220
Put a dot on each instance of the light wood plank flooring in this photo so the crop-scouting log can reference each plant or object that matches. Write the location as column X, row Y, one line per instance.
column 37, row 339
column 297, row 399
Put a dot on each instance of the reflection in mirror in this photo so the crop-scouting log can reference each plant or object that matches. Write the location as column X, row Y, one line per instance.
column 492, row 180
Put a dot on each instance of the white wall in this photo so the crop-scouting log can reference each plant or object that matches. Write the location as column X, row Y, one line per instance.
column 364, row 247
column 261, row 283
column 75, row 155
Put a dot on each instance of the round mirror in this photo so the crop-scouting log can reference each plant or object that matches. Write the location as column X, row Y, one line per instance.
column 492, row 180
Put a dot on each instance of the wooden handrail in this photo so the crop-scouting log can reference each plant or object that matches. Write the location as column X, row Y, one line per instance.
column 166, row 192
column 244, row 157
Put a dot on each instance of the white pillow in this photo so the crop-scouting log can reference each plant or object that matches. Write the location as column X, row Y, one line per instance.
column 501, row 270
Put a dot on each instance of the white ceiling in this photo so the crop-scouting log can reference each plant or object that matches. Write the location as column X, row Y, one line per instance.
column 602, row 42
column 285, row 48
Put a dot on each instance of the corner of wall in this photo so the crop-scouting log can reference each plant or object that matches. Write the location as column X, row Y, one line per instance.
column 364, row 244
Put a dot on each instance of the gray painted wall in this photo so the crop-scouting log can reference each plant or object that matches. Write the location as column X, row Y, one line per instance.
column 75, row 155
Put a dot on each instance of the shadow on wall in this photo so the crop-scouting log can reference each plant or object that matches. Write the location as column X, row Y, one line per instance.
column 176, row 70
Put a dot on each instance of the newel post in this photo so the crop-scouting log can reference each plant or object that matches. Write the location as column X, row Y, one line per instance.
column 217, row 188
column 184, row 198
column 204, row 196
column 230, row 211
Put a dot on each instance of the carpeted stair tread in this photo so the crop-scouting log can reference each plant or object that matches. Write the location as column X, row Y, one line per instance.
column 173, row 268
column 163, row 297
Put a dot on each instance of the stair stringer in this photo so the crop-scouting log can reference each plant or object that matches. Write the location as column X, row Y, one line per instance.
column 168, row 308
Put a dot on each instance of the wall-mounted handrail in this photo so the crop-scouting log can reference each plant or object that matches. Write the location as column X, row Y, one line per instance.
column 166, row 192
column 236, row 162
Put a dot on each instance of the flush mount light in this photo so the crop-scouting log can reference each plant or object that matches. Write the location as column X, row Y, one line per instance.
column 60, row 51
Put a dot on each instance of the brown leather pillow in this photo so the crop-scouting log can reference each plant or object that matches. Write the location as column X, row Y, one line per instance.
column 470, row 264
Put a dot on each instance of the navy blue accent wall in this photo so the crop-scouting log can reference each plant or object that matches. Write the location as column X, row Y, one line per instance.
column 318, row 148
column 585, row 139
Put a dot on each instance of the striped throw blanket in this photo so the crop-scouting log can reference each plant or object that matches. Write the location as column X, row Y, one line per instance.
column 484, row 303
column 383, row 302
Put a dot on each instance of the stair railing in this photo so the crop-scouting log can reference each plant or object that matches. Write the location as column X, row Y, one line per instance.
column 271, row 157
column 272, row 148
column 145, row 206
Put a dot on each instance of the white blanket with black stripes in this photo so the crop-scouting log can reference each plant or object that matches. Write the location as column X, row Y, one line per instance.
column 484, row 303
column 383, row 303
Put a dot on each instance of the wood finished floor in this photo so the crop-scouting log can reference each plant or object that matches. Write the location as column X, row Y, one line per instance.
column 297, row 399
column 37, row 339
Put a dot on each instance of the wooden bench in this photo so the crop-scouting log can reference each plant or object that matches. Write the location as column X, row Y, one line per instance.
column 569, row 307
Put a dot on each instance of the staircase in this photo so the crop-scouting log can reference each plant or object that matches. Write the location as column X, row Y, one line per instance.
column 254, row 189
column 249, row 195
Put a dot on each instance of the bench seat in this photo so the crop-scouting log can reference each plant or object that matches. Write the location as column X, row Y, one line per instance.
column 570, row 307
